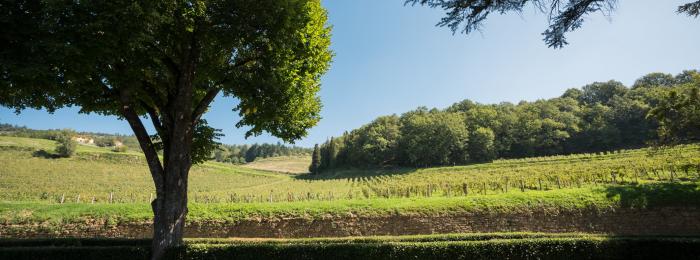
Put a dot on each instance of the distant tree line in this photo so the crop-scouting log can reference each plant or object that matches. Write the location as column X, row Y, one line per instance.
column 239, row 154
column 601, row 116
column 23, row 131
column 101, row 139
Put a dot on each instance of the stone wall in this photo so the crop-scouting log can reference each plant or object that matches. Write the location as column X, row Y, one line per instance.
column 658, row 221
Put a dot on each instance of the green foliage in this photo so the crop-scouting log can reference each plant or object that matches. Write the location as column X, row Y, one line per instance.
column 656, row 79
column 679, row 114
column 269, row 55
column 205, row 141
column 374, row 144
column 433, row 138
column 66, row 145
column 481, row 145
column 120, row 148
column 602, row 116
column 29, row 176
column 453, row 246
column 564, row 16
column 602, row 92
column 315, row 161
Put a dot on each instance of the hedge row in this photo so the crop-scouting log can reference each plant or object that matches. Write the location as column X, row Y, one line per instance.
column 528, row 248
column 544, row 248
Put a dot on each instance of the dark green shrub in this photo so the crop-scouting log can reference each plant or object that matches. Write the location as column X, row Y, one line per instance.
column 66, row 146
column 119, row 149
column 521, row 246
column 546, row 248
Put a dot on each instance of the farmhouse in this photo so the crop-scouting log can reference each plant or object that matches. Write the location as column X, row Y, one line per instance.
column 84, row 139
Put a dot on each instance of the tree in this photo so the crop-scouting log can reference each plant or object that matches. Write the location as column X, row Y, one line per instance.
column 656, row 79
column 374, row 144
column 332, row 153
column 315, row 160
column 679, row 114
column 602, row 92
column 120, row 148
column 252, row 153
column 467, row 16
column 169, row 60
column 433, row 138
column 481, row 145
column 66, row 145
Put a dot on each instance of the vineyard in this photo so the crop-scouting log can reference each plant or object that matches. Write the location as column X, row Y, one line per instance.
column 97, row 176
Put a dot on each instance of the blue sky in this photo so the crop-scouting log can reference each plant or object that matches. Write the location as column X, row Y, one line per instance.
column 391, row 58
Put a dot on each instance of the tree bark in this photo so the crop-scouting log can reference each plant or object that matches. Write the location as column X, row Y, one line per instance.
column 170, row 208
column 174, row 119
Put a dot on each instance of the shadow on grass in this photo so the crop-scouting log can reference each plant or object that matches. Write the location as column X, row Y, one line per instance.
column 354, row 174
column 44, row 154
column 656, row 195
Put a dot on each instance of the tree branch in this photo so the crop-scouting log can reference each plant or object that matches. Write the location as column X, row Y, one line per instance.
column 691, row 9
column 154, row 94
column 204, row 104
column 244, row 61
column 155, row 119
column 172, row 66
column 157, row 172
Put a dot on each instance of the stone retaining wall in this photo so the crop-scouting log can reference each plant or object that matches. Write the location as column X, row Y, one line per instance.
column 658, row 221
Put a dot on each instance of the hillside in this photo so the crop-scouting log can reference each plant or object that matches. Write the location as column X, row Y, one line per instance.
column 36, row 189
column 97, row 172
column 284, row 164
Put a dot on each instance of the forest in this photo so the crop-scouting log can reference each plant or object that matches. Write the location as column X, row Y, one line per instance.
column 239, row 154
column 658, row 108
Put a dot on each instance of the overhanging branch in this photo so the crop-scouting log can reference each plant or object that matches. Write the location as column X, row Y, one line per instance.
column 155, row 119
column 204, row 104
column 154, row 164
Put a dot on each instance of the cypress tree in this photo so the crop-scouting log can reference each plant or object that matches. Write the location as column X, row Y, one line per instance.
column 315, row 160
column 332, row 153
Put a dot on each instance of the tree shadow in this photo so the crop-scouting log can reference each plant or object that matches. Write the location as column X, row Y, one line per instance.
column 354, row 174
column 44, row 154
column 656, row 195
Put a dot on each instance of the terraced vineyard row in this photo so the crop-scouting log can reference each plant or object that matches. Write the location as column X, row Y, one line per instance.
column 102, row 177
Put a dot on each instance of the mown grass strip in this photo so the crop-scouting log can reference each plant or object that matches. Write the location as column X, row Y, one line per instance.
column 593, row 198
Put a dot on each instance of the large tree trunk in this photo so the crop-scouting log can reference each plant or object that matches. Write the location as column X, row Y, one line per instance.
column 170, row 178
column 170, row 205
column 174, row 121
column 170, row 208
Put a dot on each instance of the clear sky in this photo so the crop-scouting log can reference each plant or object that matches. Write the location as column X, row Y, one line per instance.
column 390, row 58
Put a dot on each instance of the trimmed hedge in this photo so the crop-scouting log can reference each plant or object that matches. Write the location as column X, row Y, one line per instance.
column 571, row 248
column 541, row 248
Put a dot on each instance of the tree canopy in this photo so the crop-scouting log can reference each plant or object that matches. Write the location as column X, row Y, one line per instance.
column 601, row 116
column 87, row 53
column 168, row 60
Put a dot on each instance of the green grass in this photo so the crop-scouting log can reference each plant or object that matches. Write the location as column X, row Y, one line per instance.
column 597, row 198
column 32, row 186
column 97, row 172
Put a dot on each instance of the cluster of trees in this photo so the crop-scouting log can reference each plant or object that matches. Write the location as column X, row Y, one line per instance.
column 66, row 146
column 598, row 117
column 23, row 131
column 239, row 154
column 101, row 139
